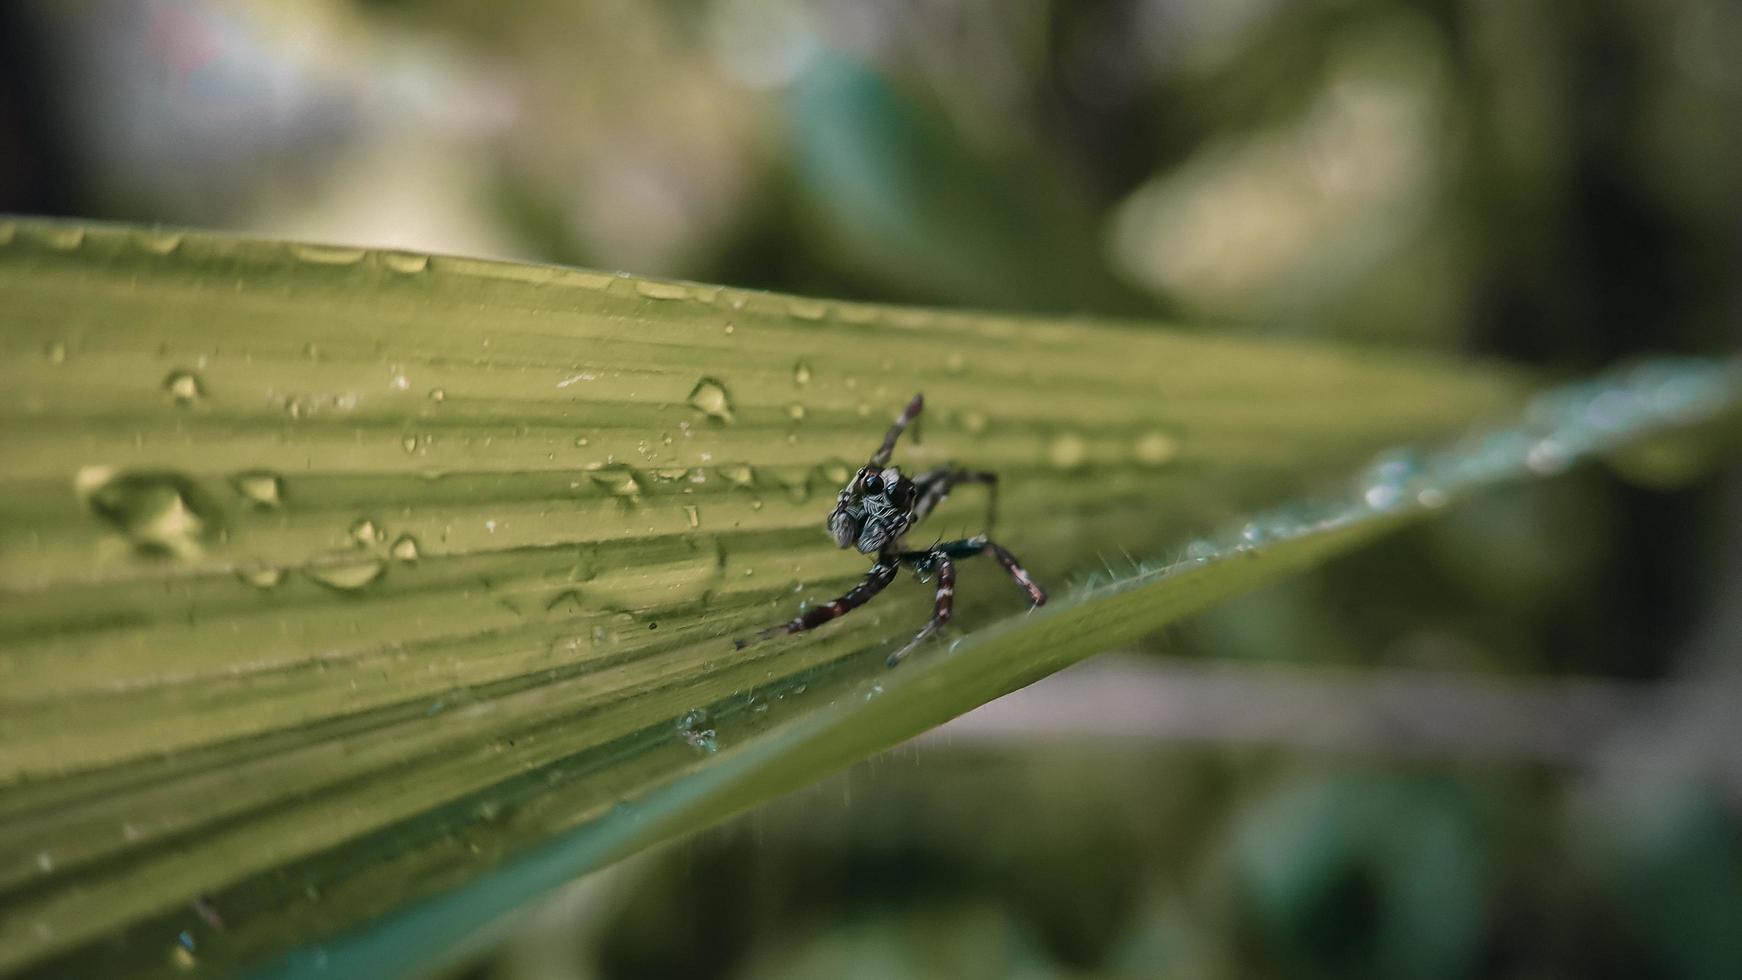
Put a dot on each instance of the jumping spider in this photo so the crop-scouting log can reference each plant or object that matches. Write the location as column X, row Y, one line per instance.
column 874, row 510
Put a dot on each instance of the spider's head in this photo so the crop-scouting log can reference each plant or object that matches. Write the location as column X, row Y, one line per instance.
column 873, row 509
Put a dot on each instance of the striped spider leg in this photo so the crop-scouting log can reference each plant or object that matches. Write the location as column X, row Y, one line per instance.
column 873, row 513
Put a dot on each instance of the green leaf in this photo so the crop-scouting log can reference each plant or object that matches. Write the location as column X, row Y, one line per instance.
column 338, row 585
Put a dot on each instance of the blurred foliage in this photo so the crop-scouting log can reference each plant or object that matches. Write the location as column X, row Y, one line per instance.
column 1554, row 183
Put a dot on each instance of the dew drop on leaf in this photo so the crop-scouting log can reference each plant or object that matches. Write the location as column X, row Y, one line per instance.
column 801, row 374
column 261, row 576
column 366, row 532
column 184, row 386
column 404, row 548
column 1067, row 451
column 617, row 479
column 347, row 573
column 158, row 511
column 710, row 398
column 263, row 488
column 1155, row 449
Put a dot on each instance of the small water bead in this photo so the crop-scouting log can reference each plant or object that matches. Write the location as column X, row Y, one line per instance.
column 365, row 532
column 158, row 511
column 56, row 352
column 261, row 576
column 328, row 254
column 693, row 514
column 836, row 471
column 438, row 395
column 184, row 386
column 801, row 374
column 1067, row 451
column 405, row 263
column 795, row 411
column 158, row 242
column 409, row 442
column 404, row 548
column 1155, row 449
column 346, row 573
column 710, row 398
column 617, row 479
column 263, row 488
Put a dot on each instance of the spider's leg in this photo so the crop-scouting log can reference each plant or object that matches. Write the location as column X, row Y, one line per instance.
column 936, row 485
column 974, row 546
column 881, row 575
column 908, row 414
column 946, row 601
column 1036, row 595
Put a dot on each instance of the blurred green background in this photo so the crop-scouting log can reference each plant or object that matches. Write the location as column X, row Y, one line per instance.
column 1504, row 744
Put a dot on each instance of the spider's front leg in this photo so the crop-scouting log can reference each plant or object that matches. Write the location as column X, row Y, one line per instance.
column 881, row 575
column 933, row 487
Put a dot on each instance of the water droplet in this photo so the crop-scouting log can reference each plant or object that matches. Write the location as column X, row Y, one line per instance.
column 158, row 242
column 404, row 548
column 801, row 374
column 398, row 380
column 693, row 514
column 438, row 394
column 328, row 254
column 56, row 352
column 697, row 733
column 184, row 386
column 1156, row 449
column 365, row 533
column 661, row 290
column 409, row 442
column 795, row 411
column 729, row 328
column 45, row 861
column 709, row 397
column 738, row 474
column 1067, row 451
column 406, row 263
column 261, row 576
column 159, row 512
column 836, row 471
column 346, row 573
column 265, row 489
column 617, row 479
column 581, row 441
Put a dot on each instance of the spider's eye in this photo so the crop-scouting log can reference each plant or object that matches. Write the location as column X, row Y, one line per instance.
column 873, row 483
